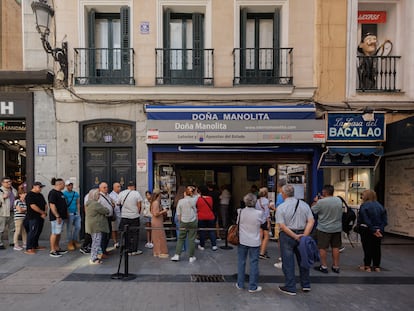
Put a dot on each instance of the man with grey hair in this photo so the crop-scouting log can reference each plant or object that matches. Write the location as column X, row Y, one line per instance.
column 296, row 220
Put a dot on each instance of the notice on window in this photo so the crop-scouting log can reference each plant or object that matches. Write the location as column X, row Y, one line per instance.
column 399, row 195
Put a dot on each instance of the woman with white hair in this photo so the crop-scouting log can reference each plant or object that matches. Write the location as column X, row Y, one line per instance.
column 96, row 223
column 249, row 220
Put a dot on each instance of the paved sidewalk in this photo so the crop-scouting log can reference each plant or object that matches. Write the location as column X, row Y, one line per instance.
column 71, row 283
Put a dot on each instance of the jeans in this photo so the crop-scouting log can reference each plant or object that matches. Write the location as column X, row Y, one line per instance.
column 192, row 232
column 73, row 227
column 7, row 222
column 177, row 232
column 253, row 252
column 289, row 249
column 35, row 229
column 106, row 236
column 211, row 233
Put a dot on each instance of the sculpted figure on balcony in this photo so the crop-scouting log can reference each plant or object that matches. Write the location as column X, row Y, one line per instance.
column 367, row 67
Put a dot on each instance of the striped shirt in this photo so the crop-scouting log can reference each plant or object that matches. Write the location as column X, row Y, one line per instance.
column 17, row 214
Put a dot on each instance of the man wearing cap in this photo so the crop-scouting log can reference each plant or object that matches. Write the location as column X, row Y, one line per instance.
column 36, row 214
column 130, row 202
column 73, row 224
column 7, row 196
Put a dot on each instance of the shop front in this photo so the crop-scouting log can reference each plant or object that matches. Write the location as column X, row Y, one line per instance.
column 353, row 152
column 16, row 136
column 234, row 147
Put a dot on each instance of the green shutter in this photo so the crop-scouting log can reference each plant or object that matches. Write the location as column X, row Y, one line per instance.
column 167, row 46
column 125, row 42
column 198, row 46
column 243, row 22
column 91, row 44
column 276, row 44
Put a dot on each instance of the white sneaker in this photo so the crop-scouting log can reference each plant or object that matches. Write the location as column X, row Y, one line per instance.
column 214, row 248
column 278, row 265
column 258, row 289
column 149, row 245
column 201, row 248
column 175, row 257
column 196, row 241
column 192, row 259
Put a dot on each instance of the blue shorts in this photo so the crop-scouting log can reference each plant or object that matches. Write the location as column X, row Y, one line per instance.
column 55, row 227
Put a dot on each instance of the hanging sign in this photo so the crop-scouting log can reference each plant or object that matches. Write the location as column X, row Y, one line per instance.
column 372, row 17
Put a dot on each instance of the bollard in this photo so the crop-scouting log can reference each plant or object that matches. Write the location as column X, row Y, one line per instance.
column 126, row 276
column 226, row 244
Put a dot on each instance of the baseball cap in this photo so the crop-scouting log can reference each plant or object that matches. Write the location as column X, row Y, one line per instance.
column 68, row 182
column 38, row 183
column 131, row 183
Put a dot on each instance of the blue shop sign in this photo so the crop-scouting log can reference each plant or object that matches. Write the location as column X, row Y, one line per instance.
column 365, row 127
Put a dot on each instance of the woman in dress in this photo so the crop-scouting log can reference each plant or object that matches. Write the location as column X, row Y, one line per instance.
column 159, row 239
column 372, row 219
column 96, row 223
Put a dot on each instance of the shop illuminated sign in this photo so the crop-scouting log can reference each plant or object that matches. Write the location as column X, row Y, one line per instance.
column 355, row 127
column 6, row 107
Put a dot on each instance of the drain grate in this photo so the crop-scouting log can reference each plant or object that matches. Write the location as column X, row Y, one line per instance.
column 212, row 278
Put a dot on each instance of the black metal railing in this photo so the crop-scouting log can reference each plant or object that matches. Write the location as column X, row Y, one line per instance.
column 184, row 66
column 378, row 73
column 104, row 66
column 263, row 66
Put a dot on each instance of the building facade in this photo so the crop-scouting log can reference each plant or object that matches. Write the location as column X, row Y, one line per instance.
column 234, row 92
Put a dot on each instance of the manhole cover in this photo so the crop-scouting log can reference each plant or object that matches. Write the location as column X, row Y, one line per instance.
column 214, row 278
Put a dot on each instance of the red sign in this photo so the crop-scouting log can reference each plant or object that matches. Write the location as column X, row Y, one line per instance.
column 372, row 17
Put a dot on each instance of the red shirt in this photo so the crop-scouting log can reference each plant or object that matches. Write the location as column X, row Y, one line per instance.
column 205, row 208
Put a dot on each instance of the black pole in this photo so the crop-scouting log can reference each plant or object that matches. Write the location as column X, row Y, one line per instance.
column 124, row 249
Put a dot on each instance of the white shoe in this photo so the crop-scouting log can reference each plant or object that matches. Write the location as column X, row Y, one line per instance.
column 149, row 245
column 196, row 241
column 278, row 265
column 192, row 259
column 175, row 257
column 258, row 289
column 214, row 248
column 201, row 248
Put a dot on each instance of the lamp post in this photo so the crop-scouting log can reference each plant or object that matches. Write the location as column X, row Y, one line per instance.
column 44, row 14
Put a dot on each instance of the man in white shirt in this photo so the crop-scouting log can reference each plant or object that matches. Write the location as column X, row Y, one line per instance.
column 116, row 189
column 130, row 201
column 106, row 201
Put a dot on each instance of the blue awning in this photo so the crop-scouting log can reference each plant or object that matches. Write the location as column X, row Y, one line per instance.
column 356, row 151
column 351, row 156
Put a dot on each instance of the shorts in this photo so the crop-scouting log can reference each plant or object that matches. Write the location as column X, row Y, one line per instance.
column 264, row 226
column 115, row 223
column 326, row 239
column 146, row 219
column 55, row 227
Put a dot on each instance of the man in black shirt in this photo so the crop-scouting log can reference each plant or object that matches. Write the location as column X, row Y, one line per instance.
column 58, row 215
column 36, row 214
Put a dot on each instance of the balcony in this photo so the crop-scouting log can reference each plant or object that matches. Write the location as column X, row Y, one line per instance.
column 104, row 66
column 184, row 66
column 377, row 73
column 263, row 66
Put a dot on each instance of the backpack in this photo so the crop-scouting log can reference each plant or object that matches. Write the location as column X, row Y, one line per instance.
column 348, row 218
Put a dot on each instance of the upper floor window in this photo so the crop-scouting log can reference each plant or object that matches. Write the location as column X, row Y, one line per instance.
column 260, row 58
column 108, row 58
column 183, row 59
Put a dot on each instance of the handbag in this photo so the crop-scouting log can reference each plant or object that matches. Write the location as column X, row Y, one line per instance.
column 233, row 233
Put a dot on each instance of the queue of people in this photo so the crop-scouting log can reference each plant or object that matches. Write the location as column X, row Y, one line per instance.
column 106, row 213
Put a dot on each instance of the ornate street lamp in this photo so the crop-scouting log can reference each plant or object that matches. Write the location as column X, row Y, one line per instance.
column 44, row 14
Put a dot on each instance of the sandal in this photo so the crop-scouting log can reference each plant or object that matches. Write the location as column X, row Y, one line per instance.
column 95, row 262
column 365, row 268
column 377, row 269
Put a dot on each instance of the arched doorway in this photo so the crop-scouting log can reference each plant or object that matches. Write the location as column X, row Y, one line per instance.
column 108, row 153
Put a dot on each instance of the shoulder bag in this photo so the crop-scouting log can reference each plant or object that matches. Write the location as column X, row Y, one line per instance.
column 233, row 232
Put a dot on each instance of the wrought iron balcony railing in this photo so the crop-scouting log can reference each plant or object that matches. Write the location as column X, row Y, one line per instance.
column 104, row 66
column 378, row 73
column 263, row 66
column 184, row 66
